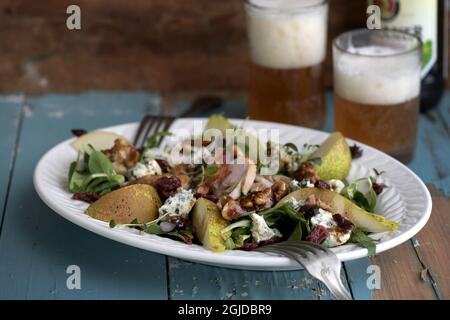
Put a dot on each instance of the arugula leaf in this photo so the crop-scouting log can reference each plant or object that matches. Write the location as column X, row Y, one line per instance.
column 112, row 224
column 99, row 163
column 238, row 224
column 360, row 237
column 243, row 231
column 152, row 141
column 94, row 184
column 240, row 240
column 308, row 146
column 302, row 226
column 378, row 173
column 297, row 232
column 91, row 177
column 292, row 146
column 76, row 181
column 106, row 187
column 367, row 202
column 360, row 199
column 229, row 244
column 211, row 170
column 373, row 199
column 153, row 228
column 97, row 176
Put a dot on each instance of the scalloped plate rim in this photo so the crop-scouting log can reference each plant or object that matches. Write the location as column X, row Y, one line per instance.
column 229, row 259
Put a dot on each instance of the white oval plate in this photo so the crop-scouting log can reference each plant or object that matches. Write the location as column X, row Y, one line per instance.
column 406, row 201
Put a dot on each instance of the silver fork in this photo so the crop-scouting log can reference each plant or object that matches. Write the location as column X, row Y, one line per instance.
column 319, row 261
column 151, row 124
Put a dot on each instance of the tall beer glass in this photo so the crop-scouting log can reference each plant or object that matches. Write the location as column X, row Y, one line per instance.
column 377, row 88
column 287, row 49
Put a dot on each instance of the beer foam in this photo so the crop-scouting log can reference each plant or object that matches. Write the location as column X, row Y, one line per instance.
column 287, row 34
column 381, row 78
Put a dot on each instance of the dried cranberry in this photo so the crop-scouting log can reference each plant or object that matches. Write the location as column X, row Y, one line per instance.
column 342, row 222
column 249, row 246
column 163, row 165
column 378, row 188
column 322, row 185
column 86, row 197
column 206, row 143
column 210, row 197
column 78, row 132
column 306, row 171
column 309, row 211
column 318, row 234
column 356, row 151
column 270, row 241
column 167, row 186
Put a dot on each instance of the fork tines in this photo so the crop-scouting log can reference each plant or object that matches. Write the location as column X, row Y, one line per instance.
column 149, row 125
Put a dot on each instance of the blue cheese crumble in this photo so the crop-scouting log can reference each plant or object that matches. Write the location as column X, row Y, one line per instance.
column 336, row 236
column 336, row 185
column 178, row 205
column 295, row 185
column 296, row 204
column 144, row 168
column 260, row 230
column 289, row 158
column 156, row 154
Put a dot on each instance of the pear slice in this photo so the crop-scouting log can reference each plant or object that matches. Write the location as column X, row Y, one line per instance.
column 137, row 201
column 369, row 222
column 218, row 121
column 100, row 140
column 207, row 224
column 336, row 158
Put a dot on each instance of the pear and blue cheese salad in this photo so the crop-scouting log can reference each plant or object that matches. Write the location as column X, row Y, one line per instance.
column 228, row 205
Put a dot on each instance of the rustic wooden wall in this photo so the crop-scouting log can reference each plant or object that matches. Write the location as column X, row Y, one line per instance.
column 164, row 45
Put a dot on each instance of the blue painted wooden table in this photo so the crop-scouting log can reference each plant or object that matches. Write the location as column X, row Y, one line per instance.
column 37, row 246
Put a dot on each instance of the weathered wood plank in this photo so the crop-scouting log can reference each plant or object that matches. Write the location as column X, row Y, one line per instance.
column 402, row 270
column 196, row 281
column 432, row 161
column 400, row 275
column 10, row 107
column 356, row 272
column 444, row 110
column 433, row 244
column 158, row 45
column 36, row 245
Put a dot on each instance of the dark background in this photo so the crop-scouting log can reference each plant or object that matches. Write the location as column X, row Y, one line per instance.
column 155, row 45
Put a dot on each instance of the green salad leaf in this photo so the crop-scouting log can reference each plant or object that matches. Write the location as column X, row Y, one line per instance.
column 360, row 237
column 297, row 234
column 366, row 201
column 93, row 174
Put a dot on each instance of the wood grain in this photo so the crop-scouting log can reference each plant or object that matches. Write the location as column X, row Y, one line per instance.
column 9, row 129
column 158, row 45
column 196, row 281
column 401, row 275
column 409, row 271
column 433, row 243
column 37, row 245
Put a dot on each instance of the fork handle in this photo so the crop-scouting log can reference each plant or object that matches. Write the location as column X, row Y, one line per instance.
column 336, row 286
column 202, row 103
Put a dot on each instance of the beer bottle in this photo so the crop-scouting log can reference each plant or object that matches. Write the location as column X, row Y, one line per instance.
column 428, row 20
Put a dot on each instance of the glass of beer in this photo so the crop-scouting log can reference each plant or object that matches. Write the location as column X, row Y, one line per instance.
column 287, row 41
column 377, row 88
